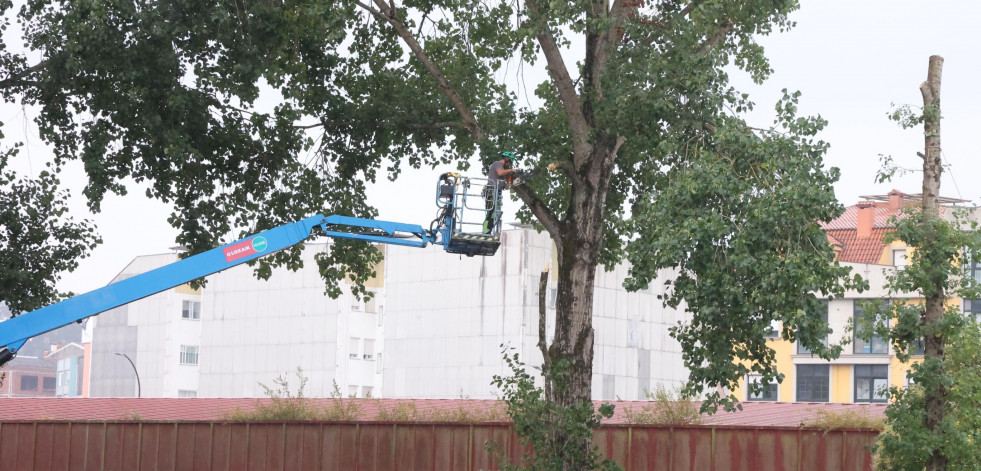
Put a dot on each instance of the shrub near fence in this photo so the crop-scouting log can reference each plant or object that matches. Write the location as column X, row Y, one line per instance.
column 416, row 446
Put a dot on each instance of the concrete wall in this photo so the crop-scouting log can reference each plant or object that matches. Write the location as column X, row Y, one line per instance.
column 448, row 317
column 254, row 331
column 150, row 332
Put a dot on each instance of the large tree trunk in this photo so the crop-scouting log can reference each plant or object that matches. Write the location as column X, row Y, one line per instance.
column 935, row 396
column 579, row 245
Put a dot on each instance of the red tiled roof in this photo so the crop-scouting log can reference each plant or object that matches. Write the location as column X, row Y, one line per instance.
column 858, row 249
column 832, row 240
column 780, row 414
column 849, row 220
column 843, row 230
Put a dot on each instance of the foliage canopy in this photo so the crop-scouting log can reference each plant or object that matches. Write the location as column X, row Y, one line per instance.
column 655, row 162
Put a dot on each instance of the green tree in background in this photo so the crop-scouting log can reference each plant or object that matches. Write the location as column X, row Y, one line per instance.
column 38, row 240
column 654, row 161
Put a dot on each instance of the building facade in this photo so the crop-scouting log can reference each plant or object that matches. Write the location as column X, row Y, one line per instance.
column 34, row 371
column 435, row 328
column 865, row 369
column 237, row 336
column 255, row 331
column 449, row 319
column 150, row 347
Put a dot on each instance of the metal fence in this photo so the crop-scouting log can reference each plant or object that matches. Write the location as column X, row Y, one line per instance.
column 415, row 446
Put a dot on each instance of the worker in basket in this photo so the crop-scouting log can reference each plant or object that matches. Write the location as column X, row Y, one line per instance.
column 499, row 174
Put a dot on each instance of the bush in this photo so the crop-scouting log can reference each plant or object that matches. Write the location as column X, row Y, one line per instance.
column 284, row 404
column 846, row 418
column 668, row 407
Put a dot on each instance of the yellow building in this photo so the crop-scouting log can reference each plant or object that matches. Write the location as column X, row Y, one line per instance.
column 864, row 370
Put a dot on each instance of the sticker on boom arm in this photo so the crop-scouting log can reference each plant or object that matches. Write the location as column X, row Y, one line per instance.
column 245, row 248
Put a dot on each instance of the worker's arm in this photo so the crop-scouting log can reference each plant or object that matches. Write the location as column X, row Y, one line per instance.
column 502, row 172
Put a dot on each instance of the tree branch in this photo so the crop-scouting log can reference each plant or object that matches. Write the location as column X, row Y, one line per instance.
column 601, row 45
column 387, row 13
column 16, row 78
column 725, row 27
column 562, row 165
column 565, row 87
column 612, row 156
column 690, row 8
column 540, row 211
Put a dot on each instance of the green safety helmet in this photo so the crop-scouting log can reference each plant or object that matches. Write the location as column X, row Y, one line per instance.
column 508, row 155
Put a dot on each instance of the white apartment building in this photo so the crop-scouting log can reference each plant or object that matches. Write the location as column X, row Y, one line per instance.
column 160, row 334
column 254, row 331
column 237, row 334
column 448, row 316
column 433, row 330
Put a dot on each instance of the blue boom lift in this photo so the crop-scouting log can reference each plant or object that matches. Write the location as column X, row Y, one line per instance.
column 457, row 227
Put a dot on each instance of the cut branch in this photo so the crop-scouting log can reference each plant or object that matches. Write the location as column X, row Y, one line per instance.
column 542, row 344
column 388, row 14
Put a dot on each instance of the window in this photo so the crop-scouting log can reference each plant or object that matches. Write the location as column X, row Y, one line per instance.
column 813, row 383
column 823, row 313
column 370, row 306
column 919, row 347
column 876, row 344
column 367, row 391
column 189, row 354
column 187, row 393
column 871, row 382
column 28, row 383
column 49, row 384
column 972, row 308
column 191, row 310
column 369, row 349
column 355, row 348
column 899, row 257
column 352, row 391
column 773, row 331
column 768, row 391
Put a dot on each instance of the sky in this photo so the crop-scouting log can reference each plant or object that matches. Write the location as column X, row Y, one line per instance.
column 851, row 60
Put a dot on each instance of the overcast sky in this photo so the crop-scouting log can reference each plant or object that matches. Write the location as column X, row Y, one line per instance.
column 850, row 59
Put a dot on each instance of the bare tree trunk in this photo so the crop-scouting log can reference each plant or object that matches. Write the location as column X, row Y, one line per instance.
column 934, row 343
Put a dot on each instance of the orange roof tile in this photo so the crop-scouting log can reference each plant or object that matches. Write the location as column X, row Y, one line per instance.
column 857, row 249
column 849, row 220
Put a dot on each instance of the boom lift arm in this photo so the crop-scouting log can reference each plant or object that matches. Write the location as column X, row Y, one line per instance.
column 447, row 230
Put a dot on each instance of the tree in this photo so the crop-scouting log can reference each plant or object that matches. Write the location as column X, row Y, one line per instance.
column 907, row 443
column 655, row 163
column 924, row 434
column 38, row 239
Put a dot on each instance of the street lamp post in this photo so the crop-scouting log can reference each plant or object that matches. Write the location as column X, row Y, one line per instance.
column 138, row 388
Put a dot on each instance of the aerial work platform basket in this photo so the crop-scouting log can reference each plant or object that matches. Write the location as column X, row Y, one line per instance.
column 470, row 208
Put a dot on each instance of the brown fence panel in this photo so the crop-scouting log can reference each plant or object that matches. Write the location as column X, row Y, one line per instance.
column 452, row 447
column 408, row 447
column 303, row 447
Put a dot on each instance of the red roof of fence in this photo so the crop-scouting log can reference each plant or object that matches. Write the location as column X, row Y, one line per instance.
column 788, row 414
